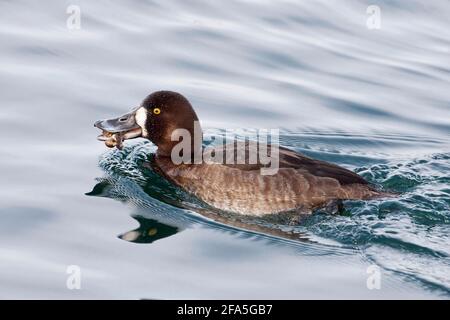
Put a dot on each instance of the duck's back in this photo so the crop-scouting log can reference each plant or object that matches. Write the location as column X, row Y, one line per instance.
column 300, row 183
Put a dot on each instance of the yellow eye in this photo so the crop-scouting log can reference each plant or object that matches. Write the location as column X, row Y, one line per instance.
column 156, row 111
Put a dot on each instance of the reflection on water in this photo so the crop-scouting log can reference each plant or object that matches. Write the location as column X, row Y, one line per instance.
column 152, row 227
column 374, row 101
column 149, row 230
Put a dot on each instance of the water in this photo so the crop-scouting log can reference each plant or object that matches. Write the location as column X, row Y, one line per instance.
column 374, row 101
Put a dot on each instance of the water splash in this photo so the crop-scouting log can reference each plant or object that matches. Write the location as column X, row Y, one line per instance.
column 407, row 234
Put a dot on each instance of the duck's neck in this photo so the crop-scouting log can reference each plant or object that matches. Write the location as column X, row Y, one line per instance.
column 164, row 152
column 179, row 149
column 179, row 143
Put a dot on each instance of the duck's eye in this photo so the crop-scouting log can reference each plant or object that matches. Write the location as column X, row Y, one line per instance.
column 156, row 111
column 123, row 119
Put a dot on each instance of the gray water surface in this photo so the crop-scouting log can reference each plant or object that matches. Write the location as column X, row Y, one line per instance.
column 374, row 101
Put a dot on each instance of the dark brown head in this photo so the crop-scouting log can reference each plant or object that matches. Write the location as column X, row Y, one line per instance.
column 156, row 118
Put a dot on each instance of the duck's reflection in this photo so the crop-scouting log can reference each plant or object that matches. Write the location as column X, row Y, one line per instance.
column 154, row 222
column 163, row 214
column 149, row 231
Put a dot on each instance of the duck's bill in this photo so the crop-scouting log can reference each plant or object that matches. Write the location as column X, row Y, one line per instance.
column 115, row 131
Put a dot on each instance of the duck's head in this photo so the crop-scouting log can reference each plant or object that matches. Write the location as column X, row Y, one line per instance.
column 155, row 119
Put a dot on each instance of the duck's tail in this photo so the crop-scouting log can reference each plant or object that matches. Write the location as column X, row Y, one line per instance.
column 377, row 194
column 363, row 192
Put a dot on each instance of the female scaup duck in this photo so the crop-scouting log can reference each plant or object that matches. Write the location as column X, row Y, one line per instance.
column 301, row 184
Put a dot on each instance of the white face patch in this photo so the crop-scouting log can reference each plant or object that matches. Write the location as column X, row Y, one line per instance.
column 141, row 120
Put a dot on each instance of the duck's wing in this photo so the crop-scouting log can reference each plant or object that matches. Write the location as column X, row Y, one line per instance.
column 291, row 159
column 300, row 184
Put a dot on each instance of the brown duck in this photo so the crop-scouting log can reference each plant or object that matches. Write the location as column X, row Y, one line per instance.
column 301, row 183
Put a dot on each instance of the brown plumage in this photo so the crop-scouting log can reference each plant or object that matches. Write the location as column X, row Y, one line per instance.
column 301, row 183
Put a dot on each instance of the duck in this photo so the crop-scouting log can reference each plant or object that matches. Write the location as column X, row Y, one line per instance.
column 300, row 184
